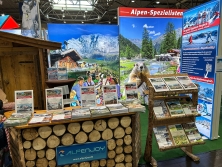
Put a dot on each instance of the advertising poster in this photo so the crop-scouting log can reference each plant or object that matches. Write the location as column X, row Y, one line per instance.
column 24, row 101
column 149, row 40
column 87, row 49
column 88, row 96
column 54, row 99
column 199, row 51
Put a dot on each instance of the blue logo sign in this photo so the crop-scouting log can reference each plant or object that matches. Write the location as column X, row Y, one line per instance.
column 77, row 153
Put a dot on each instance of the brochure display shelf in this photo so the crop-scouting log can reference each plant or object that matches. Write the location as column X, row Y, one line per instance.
column 154, row 122
column 36, row 145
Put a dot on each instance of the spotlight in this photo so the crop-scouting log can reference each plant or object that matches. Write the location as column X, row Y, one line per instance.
column 157, row 2
column 132, row 0
column 109, row 22
column 115, row 17
column 62, row 10
column 82, row 22
column 84, row 16
column 3, row 14
column 63, row 15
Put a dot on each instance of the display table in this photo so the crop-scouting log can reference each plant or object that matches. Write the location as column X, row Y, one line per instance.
column 35, row 145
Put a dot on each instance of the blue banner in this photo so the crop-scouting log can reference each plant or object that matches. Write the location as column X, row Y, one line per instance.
column 77, row 153
column 199, row 51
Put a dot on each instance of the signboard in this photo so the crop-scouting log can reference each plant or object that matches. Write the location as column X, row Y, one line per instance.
column 77, row 153
column 199, row 51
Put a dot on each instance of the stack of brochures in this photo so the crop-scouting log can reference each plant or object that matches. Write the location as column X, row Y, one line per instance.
column 17, row 119
column 99, row 111
column 40, row 118
column 81, row 113
column 134, row 106
column 61, row 116
column 160, row 109
column 117, row 108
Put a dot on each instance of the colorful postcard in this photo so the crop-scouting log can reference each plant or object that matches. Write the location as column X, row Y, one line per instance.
column 131, row 90
column 158, row 84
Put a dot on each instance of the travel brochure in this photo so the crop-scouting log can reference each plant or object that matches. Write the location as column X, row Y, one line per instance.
column 99, row 111
column 175, row 108
column 158, row 84
column 117, row 108
column 110, row 94
column 186, row 82
column 57, row 73
column 40, row 118
column 160, row 109
column 17, row 119
column 192, row 132
column 88, row 96
column 61, row 116
column 134, row 106
column 131, row 90
column 178, row 134
column 172, row 83
column 54, row 100
column 81, row 113
column 24, row 101
column 162, row 137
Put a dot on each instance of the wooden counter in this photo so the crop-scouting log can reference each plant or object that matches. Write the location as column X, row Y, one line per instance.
column 35, row 145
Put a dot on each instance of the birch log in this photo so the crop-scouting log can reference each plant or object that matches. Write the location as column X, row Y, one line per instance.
column 119, row 149
column 128, row 149
column 120, row 165
column 119, row 158
column 95, row 164
column 111, row 154
column 125, row 121
column 42, row 162
column 50, row 154
column 84, row 164
column 67, row 139
column 102, row 162
column 110, row 163
column 119, row 132
column 41, row 153
column 87, row 126
column 74, row 128
column 100, row 125
column 81, row 137
column 128, row 164
column 59, row 130
column 127, row 139
column 29, row 134
column 113, row 123
column 45, row 131
column 30, row 163
column 128, row 158
column 53, row 141
column 111, row 144
column 27, row 144
column 94, row 135
column 30, row 154
column 128, row 130
column 52, row 163
column 119, row 142
column 38, row 143
column 107, row 134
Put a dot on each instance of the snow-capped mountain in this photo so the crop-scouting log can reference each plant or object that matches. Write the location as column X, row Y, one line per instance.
column 94, row 44
column 137, row 42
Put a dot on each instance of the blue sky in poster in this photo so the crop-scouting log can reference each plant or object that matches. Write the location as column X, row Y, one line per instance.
column 132, row 28
column 62, row 32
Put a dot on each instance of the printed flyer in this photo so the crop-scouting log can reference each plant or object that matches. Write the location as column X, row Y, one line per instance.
column 88, row 96
column 199, row 51
column 131, row 90
column 24, row 101
column 54, row 99
column 110, row 94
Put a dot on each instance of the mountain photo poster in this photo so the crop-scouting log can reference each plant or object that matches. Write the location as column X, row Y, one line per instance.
column 149, row 40
column 86, row 48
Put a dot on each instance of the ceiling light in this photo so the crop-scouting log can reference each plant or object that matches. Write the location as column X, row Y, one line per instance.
column 3, row 14
column 84, row 16
column 63, row 15
column 132, row 0
column 62, row 10
column 82, row 22
column 99, row 17
column 64, row 21
column 157, row 2
column 109, row 22
column 115, row 17
column 86, row 10
column 68, row 5
column 47, row 16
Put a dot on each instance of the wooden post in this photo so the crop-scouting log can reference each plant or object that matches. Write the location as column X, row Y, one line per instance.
column 148, row 148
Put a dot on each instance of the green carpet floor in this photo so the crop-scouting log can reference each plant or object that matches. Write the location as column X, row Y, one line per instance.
column 175, row 153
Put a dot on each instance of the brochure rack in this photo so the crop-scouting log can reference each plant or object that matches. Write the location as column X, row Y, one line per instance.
column 153, row 121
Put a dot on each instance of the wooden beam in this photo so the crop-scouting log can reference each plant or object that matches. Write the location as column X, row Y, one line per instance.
column 18, row 49
column 43, row 74
column 38, row 43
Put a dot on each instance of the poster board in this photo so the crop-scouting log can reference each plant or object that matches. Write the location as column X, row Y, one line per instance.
column 201, row 30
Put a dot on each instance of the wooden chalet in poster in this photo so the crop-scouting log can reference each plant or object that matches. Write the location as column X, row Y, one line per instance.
column 67, row 59
column 23, row 65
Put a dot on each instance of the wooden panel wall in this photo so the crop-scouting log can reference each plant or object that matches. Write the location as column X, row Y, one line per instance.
column 19, row 71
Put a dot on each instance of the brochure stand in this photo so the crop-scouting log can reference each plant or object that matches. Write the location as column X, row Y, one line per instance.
column 153, row 121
